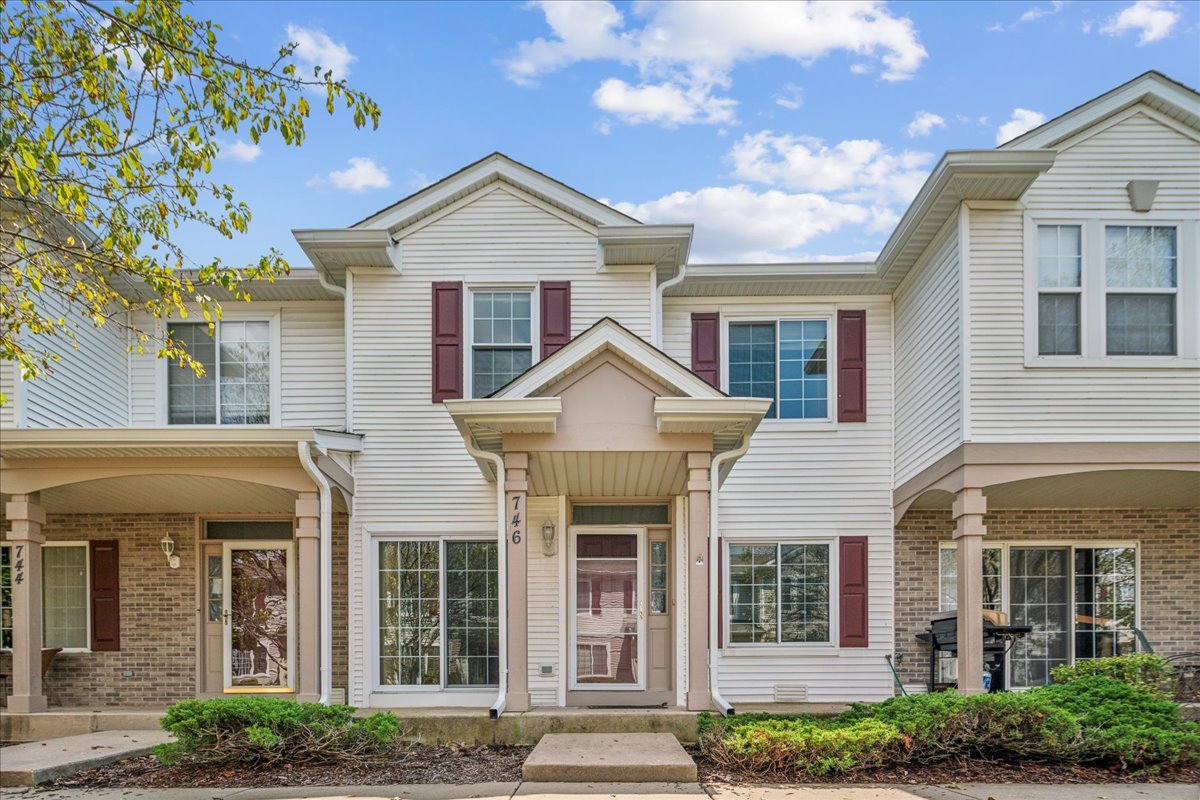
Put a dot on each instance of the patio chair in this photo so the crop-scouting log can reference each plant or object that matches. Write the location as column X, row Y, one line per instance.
column 48, row 654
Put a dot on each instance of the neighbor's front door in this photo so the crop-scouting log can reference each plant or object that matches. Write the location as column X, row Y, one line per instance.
column 608, row 632
column 258, row 614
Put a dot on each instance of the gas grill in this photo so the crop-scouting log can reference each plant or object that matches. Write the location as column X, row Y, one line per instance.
column 998, row 638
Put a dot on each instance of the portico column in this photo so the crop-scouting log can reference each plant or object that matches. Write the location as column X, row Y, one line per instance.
column 969, row 507
column 308, row 593
column 516, row 492
column 26, row 518
column 699, row 693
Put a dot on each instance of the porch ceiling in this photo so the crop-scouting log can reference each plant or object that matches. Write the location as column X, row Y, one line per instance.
column 1127, row 488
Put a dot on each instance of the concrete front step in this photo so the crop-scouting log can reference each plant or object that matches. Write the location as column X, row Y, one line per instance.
column 35, row 763
column 600, row 757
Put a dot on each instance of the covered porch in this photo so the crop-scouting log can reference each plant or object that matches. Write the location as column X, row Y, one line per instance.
column 147, row 566
column 607, row 457
column 1093, row 546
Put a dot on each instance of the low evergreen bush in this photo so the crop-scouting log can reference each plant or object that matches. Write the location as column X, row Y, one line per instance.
column 1110, row 712
column 266, row 730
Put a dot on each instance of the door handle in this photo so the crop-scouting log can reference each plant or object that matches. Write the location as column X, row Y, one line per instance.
column 225, row 614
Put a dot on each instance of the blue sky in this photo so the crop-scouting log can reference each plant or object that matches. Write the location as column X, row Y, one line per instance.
column 783, row 131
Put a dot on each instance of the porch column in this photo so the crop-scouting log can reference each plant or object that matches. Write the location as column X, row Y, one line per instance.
column 26, row 517
column 516, row 488
column 308, row 595
column 699, row 693
column 969, row 507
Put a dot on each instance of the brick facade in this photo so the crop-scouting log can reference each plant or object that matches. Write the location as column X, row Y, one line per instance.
column 156, row 664
column 1169, row 544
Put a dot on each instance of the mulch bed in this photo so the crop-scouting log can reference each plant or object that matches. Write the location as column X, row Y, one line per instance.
column 411, row 764
column 964, row 771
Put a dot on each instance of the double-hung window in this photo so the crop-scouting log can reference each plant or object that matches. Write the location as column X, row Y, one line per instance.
column 501, row 338
column 236, row 386
column 66, row 597
column 779, row 593
column 438, row 619
column 1104, row 289
column 785, row 361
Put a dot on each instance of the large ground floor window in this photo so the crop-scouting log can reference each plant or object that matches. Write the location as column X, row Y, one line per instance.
column 1080, row 599
column 779, row 592
column 438, row 618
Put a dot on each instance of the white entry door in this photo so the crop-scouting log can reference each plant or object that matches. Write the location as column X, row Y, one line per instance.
column 608, row 608
column 259, row 617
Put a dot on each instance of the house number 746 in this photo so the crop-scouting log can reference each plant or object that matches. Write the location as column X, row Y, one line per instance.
column 515, row 522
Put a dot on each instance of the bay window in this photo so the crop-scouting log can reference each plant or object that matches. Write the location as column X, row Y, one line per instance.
column 1080, row 600
column 785, row 361
column 236, row 386
column 438, row 618
column 779, row 593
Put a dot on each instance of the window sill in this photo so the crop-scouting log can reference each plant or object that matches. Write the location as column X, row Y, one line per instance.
column 799, row 425
column 1110, row 362
column 790, row 649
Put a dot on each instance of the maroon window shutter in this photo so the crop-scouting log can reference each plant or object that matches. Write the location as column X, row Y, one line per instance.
column 447, row 341
column 706, row 347
column 852, row 566
column 106, row 596
column 556, row 316
column 852, row 366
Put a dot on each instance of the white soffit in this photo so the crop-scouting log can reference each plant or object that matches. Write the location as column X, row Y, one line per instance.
column 151, row 442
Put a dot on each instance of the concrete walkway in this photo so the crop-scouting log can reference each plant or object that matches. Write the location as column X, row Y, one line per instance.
column 638, row 791
column 40, row 762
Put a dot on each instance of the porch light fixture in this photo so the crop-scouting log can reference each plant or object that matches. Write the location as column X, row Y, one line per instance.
column 548, row 548
column 168, row 548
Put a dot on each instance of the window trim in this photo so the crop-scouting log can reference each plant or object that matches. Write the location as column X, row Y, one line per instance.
column 85, row 544
column 535, row 324
column 272, row 318
column 375, row 685
column 1005, row 545
column 8, row 546
column 824, row 314
column 734, row 648
column 1094, row 291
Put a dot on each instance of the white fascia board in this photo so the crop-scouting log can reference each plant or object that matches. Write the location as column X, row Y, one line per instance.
column 716, row 413
column 341, row 441
column 608, row 334
column 658, row 241
column 374, row 245
column 530, row 414
column 825, row 270
column 141, row 438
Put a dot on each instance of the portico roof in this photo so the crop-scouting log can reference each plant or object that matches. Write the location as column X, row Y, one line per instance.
column 669, row 409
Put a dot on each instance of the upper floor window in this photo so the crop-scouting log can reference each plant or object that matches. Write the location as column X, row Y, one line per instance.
column 236, row 387
column 1104, row 289
column 501, row 338
column 1140, row 281
column 785, row 361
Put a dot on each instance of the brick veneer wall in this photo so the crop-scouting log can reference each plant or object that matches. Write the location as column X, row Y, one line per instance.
column 158, row 614
column 1169, row 541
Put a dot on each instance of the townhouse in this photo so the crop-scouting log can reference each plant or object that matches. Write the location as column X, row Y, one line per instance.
column 506, row 448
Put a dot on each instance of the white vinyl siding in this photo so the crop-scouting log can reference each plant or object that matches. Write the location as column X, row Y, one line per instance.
column 803, row 482
column 543, row 594
column 416, row 474
column 89, row 386
column 8, row 388
column 929, row 357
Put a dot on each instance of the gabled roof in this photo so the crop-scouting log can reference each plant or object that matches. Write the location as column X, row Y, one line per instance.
column 489, row 169
column 1176, row 100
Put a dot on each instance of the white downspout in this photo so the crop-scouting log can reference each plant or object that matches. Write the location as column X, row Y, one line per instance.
column 656, row 332
column 714, row 586
column 502, row 573
column 326, row 578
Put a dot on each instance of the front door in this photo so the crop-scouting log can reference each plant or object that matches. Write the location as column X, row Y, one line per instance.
column 258, row 614
column 608, row 613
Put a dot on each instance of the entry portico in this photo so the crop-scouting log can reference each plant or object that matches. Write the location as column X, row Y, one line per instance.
column 613, row 444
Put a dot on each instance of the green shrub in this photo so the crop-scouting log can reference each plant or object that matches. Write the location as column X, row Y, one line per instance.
column 787, row 747
column 1141, row 670
column 265, row 730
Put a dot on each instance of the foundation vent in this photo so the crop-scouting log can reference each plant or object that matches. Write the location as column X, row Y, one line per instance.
column 337, row 696
column 791, row 693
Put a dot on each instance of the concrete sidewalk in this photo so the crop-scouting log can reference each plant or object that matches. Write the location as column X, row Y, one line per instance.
column 638, row 791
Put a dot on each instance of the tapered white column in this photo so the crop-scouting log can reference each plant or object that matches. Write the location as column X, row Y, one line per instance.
column 308, row 591
column 969, row 507
column 699, row 694
column 25, row 535
column 516, row 491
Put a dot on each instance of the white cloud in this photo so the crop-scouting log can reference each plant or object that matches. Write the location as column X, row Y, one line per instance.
column 684, row 52
column 860, row 69
column 923, row 124
column 666, row 104
column 361, row 175
column 791, row 98
column 1153, row 19
column 314, row 48
column 855, row 170
column 1037, row 12
column 736, row 223
column 1022, row 120
column 238, row 151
